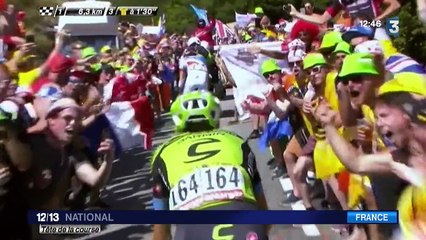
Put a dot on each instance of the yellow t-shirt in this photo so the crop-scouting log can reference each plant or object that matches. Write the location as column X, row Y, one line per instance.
column 330, row 90
column 26, row 79
column 325, row 160
column 412, row 212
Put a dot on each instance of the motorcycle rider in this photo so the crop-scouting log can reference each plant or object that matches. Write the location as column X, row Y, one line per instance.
column 193, row 69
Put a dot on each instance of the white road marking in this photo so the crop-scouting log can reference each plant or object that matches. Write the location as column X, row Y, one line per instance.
column 310, row 230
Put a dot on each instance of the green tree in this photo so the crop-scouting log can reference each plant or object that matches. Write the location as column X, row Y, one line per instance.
column 412, row 33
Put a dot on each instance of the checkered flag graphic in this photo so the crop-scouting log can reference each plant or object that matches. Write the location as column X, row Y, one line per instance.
column 47, row 11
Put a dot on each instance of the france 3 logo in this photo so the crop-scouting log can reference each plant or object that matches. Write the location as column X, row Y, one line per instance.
column 392, row 26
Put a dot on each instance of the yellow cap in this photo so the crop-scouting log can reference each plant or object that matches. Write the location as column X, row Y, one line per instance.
column 405, row 82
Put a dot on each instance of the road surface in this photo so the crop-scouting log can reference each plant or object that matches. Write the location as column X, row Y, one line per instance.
column 129, row 187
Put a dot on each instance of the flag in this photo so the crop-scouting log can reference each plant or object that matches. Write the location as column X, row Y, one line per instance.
column 131, row 117
column 398, row 63
column 242, row 20
column 132, row 122
column 200, row 13
column 162, row 20
column 162, row 24
column 275, row 129
column 223, row 31
column 94, row 134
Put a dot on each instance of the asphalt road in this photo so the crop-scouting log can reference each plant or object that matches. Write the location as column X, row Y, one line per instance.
column 129, row 187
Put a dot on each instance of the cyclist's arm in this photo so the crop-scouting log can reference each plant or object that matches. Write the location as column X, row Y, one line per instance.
column 182, row 75
column 160, row 198
column 182, row 80
column 250, row 164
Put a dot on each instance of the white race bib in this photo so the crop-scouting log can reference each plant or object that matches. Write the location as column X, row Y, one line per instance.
column 205, row 185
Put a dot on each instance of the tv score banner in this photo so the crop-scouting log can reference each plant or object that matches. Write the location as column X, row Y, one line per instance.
column 211, row 217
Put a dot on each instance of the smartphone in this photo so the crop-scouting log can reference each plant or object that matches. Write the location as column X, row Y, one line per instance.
column 257, row 22
column 29, row 38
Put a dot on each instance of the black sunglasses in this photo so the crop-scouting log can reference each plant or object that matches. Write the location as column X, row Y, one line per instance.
column 268, row 74
column 354, row 79
column 292, row 64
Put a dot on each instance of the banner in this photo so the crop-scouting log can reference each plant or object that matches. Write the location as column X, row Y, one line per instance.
column 244, row 68
column 211, row 217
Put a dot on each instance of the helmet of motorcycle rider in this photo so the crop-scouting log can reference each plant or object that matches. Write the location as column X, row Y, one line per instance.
column 205, row 45
column 201, row 23
column 194, row 40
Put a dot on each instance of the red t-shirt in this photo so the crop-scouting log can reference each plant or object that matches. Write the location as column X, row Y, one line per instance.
column 205, row 34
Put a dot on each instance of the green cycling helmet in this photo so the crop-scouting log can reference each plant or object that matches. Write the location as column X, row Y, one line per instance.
column 194, row 107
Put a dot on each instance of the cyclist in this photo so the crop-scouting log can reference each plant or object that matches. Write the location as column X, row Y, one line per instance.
column 193, row 69
column 215, row 170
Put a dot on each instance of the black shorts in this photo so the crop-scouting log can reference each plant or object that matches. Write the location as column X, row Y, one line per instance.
column 218, row 231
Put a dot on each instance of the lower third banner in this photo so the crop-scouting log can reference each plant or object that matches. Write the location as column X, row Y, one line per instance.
column 210, row 217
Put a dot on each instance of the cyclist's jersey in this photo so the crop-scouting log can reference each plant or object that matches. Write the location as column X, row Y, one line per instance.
column 197, row 73
column 205, row 169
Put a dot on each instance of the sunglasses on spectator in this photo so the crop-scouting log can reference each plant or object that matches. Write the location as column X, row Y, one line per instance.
column 75, row 81
column 292, row 64
column 354, row 79
column 269, row 74
column 314, row 70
